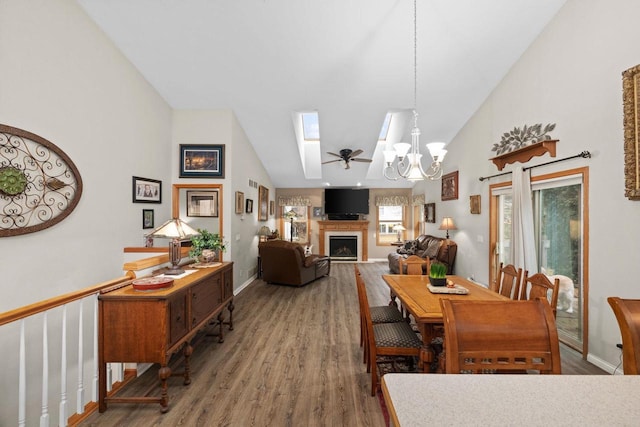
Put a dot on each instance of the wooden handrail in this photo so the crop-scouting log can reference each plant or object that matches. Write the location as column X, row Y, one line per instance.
column 141, row 264
column 39, row 307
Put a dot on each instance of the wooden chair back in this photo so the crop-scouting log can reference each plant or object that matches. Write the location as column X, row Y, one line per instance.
column 539, row 286
column 509, row 281
column 627, row 313
column 414, row 265
column 500, row 336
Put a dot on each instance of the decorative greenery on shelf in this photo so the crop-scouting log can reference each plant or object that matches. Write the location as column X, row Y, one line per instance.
column 206, row 240
column 518, row 138
column 438, row 270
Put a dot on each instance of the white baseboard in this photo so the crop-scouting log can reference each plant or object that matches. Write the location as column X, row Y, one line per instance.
column 604, row 365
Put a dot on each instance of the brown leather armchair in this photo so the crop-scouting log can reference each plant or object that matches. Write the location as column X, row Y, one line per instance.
column 285, row 263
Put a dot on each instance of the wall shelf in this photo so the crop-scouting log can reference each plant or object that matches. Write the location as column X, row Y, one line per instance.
column 525, row 154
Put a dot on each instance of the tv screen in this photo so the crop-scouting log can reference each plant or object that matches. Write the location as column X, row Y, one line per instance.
column 346, row 201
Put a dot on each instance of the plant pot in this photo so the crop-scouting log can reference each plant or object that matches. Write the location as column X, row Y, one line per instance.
column 438, row 281
column 207, row 256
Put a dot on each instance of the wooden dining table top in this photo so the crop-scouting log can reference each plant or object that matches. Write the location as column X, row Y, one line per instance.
column 412, row 291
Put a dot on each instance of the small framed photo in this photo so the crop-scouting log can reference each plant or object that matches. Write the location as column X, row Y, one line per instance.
column 272, row 207
column 202, row 203
column 146, row 190
column 239, row 202
column 474, row 204
column 249, row 207
column 147, row 218
column 450, row 186
column 201, row 161
column 430, row 212
column 317, row 211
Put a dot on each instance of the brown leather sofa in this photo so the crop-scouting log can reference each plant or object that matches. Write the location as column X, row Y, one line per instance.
column 285, row 263
column 425, row 246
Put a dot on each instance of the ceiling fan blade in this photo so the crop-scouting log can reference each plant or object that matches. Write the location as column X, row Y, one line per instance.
column 334, row 154
column 362, row 160
column 331, row 161
column 355, row 153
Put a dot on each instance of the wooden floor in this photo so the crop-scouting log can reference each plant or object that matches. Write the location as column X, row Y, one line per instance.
column 293, row 359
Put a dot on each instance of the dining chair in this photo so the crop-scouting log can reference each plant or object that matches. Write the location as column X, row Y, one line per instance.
column 391, row 340
column 509, row 281
column 414, row 265
column 500, row 337
column 627, row 313
column 539, row 286
column 379, row 314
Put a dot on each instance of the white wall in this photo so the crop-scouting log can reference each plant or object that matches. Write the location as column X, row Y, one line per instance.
column 571, row 75
column 62, row 79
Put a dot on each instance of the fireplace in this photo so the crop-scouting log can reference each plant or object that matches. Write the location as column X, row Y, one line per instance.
column 343, row 248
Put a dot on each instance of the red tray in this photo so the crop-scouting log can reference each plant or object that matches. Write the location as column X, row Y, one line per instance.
column 152, row 283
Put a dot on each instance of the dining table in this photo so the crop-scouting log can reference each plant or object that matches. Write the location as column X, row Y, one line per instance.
column 424, row 305
column 509, row 400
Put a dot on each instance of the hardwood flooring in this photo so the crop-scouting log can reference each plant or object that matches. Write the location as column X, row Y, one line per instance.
column 293, row 359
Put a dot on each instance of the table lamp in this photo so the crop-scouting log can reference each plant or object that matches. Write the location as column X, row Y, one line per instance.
column 263, row 233
column 399, row 228
column 176, row 230
column 447, row 224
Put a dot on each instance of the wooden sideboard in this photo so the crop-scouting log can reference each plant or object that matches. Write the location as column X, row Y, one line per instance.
column 149, row 326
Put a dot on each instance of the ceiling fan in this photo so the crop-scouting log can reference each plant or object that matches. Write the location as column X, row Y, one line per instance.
column 346, row 155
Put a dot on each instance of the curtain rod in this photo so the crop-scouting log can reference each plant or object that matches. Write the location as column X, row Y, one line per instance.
column 585, row 155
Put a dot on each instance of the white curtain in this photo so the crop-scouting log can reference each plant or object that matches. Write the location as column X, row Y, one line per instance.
column 523, row 245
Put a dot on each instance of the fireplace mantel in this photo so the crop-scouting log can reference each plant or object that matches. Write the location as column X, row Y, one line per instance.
column 329, row 226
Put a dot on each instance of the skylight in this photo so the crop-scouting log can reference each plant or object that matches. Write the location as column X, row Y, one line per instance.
column 385, row 127
column 310, row 126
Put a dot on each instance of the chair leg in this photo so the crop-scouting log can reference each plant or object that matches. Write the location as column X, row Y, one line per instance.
column 374, row 373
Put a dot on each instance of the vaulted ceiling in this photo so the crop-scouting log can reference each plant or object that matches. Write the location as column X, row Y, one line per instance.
column 352, row 61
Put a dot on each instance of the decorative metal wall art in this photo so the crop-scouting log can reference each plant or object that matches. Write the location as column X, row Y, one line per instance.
column 39, row 184
column 518, row 138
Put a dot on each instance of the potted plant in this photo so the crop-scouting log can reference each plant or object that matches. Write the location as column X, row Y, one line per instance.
column 206, row 245
column 438, row 274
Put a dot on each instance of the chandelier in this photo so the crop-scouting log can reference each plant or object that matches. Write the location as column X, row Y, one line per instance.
column 409, row 165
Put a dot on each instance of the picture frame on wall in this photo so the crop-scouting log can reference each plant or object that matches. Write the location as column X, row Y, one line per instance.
column 202, row 203
column 146, row 190
column 147, row 218
column 263, row 203
column 317, row 211
column 249, row 207
column 450, row 186
column 272, row 207
column 239, row 202
column 474, row 204
column 430, row 212
column 201, row 161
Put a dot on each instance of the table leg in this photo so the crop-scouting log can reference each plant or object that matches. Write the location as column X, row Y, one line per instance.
column 427, row 355
column 163, row 374
column 230, row 307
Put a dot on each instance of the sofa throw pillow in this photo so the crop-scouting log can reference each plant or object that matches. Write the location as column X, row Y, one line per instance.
column 409, row 248
column 432, row 249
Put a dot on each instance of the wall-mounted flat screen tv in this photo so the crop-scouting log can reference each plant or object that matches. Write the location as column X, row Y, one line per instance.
column 346, row 201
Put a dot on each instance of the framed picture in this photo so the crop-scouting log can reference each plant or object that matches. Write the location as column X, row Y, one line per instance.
column 474, row 204
column 272, row 207
column 249, row 207
column 317, row 211
column 430, row 212
column 450, row 186
column 263, row 203
column 630, row 105
column 147, row 218
column 239, row 202
column 146, row 190
column 202, row 203
column 201, row 161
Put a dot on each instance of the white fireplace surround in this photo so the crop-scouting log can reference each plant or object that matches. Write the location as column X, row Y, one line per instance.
column 357, row 234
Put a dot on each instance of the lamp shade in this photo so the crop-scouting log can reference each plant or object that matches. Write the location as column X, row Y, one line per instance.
column 447, row 224
column 264, row 231
column 174, row 229
column 398, row 227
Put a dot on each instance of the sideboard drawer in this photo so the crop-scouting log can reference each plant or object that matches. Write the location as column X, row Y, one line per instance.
column 205, row 297
column 178, row 321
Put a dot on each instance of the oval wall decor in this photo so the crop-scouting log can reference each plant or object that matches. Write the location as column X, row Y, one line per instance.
column 39, row 184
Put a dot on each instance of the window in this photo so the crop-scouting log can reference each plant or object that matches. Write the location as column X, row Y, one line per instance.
column 384, row 131
column 388, row 218
column 310, row 126
column 298, row 229
column 559, row 209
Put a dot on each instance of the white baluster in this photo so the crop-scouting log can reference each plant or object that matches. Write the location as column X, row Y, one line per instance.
column 62, row 417
column 80, row 391
column 94, row 388
column 22, row 378
column 109, row 377
column 44, row 416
